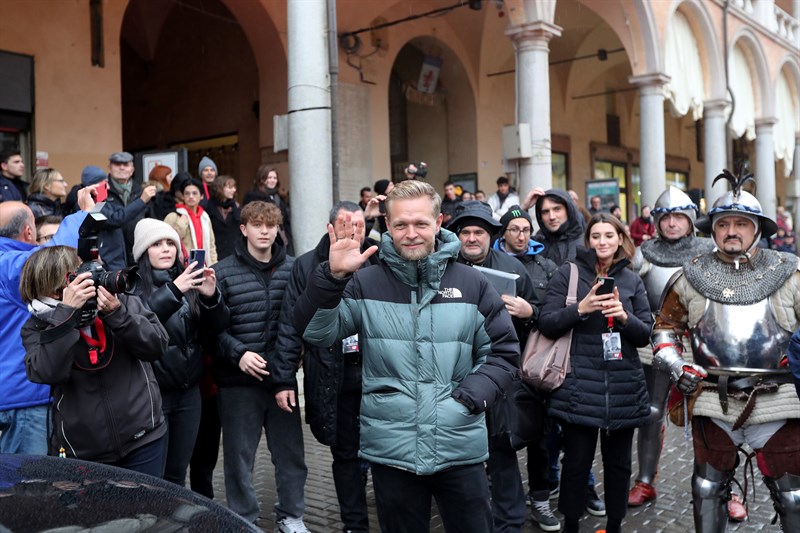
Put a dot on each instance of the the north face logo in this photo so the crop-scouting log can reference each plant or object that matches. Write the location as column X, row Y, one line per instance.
column 450, row 292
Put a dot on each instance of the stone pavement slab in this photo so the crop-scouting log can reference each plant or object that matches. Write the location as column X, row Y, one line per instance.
column 670, row 513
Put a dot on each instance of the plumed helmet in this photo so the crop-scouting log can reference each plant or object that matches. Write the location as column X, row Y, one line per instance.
column 737, row 202
column 674, row 200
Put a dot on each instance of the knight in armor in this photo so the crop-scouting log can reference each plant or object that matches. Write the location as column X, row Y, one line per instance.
column 740, row 305
column 656, row 261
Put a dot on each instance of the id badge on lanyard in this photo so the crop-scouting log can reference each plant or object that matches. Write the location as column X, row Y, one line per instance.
column 612, row 343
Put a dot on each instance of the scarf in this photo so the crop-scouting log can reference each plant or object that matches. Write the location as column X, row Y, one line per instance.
column 197, row 225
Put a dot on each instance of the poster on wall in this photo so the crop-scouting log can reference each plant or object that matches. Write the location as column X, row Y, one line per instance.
column 146, row 161
column 607, row 190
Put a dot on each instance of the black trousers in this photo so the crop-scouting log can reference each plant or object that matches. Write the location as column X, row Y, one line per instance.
column 579, row 447
column 348, row 472
column 404, row 499
column 206, row 449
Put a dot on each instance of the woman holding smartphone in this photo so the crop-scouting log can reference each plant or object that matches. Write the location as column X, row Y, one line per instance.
column 186, row 301
column 605, row 390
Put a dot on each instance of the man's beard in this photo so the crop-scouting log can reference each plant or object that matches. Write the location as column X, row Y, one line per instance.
column 417, row 253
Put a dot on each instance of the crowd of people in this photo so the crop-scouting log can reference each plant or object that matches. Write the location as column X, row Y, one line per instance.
column 410, row 356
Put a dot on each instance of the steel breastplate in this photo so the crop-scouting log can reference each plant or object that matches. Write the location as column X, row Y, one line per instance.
column 654, row 281
column 739, row 339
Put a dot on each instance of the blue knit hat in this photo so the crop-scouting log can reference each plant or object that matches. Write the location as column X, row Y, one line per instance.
column 92, row 175
column 206, row 162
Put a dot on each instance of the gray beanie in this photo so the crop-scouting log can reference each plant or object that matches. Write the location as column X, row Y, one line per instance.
column 206, row 162
column 148, row 232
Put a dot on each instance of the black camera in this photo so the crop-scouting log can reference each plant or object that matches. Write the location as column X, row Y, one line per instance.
column 119, row 281
column 416, row 171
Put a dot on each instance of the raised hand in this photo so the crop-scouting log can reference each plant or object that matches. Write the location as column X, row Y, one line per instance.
column 345, row 252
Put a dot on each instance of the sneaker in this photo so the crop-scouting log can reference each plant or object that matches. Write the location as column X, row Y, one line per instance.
column 542, row 515
column 737, row 512
column 594, row 505
column 292, row 525
column 641, row 493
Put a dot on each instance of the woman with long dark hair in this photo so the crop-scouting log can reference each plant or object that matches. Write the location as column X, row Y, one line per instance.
column 605, row 391
column 187, row 302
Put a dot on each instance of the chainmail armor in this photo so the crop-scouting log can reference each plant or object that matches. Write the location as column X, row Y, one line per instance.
column 755, row 280
column 675, row 253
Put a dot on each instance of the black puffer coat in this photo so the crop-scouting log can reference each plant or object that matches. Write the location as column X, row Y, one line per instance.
column 322, row 367
column 181, row 366
column 253, row 292
column 226, row 230
column 597, row 393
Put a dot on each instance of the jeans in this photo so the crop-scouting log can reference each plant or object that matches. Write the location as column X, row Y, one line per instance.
column 206, row 448
column 579, row 447
column 243, row 412
column 181, row 410
column 24, row 430
column 404, row 499
column 147, row 459
column 508, row 496
column 348, row 475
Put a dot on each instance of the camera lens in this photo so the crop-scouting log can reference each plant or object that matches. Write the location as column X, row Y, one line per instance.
column 117, row 281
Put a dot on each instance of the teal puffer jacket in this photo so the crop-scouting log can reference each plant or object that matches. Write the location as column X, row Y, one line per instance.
column 438, row 349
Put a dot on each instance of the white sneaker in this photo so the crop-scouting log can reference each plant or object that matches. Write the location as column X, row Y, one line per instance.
column 292, row 525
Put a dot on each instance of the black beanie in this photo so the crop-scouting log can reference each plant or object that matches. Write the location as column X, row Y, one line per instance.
column 513, row 212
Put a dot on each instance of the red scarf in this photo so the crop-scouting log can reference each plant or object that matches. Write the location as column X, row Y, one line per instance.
column 197, row 225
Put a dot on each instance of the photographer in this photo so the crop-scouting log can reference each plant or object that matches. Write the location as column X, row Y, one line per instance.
column 95, row 349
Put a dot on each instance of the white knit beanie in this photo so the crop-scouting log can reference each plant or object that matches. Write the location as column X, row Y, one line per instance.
column 151, row 230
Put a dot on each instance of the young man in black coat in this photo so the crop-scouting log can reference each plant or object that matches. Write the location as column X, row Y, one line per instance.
column 332, row 387
column 252, row 282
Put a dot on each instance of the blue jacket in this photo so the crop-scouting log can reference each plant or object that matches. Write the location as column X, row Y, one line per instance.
column 17, row 390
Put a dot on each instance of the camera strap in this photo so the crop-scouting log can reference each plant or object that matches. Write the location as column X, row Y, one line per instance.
column 97, row 345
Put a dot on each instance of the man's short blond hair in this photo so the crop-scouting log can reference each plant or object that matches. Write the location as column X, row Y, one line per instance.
column 412, row 189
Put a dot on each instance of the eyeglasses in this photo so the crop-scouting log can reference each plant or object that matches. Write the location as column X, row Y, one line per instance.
column 516, row 231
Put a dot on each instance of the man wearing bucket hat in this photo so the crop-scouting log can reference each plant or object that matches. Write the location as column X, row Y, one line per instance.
column 475, row 226
column 740, row 304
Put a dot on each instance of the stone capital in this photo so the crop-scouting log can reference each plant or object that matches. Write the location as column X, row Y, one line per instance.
column 654, row 80
column 715, row 108
column 765, row 123
column 533, row 34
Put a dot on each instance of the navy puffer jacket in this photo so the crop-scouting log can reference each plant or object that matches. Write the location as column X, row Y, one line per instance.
column 597, row 393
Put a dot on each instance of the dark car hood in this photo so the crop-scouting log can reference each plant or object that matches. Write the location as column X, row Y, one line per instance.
column 42, row 493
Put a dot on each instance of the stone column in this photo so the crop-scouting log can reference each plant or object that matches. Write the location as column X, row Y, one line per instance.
column 652, row 153
column 532, row 48
column 796, row 179
column 765, row 166
column 310, row 170
column 715, row 148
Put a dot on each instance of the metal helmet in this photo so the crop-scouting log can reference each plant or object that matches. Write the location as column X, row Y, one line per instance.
column 674, row 200
column 737, row 202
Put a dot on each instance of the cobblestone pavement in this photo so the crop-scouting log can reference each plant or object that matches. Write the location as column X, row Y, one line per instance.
column 671, row 513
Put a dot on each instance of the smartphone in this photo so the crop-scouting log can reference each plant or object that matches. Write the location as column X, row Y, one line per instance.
column 198, row 255
column 101, row 192
column 607, row 287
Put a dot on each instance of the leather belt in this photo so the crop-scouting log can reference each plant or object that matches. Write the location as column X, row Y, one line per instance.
column 745, row 389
